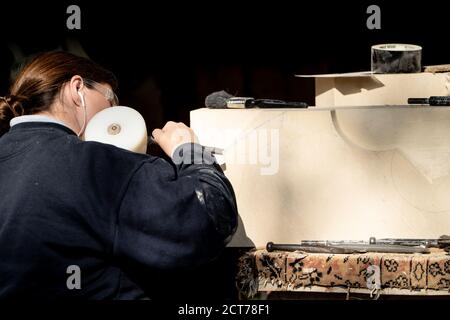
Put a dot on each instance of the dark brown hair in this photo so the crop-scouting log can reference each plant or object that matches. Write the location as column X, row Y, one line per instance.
column 40, row 81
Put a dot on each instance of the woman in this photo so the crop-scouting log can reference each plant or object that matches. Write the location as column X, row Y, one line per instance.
column 89, row 220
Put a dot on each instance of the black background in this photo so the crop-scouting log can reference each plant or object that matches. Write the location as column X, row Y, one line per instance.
column 170, row 55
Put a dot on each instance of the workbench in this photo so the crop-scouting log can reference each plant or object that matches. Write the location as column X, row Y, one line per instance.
column 336, row 173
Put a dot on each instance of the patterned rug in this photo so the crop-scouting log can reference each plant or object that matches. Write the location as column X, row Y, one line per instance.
column 260, row 270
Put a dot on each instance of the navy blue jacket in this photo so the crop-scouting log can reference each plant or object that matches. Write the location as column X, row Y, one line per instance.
column 117, row 215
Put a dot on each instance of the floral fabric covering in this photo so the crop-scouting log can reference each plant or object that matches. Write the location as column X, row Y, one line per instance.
column 289, row 271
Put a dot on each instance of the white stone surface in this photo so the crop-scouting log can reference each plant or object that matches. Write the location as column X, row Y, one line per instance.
column 380, row 89
column 342, row 173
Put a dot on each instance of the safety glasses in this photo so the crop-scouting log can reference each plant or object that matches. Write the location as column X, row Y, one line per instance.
column 107, row 92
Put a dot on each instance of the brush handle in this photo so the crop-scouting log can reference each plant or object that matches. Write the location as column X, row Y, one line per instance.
column 270, row 103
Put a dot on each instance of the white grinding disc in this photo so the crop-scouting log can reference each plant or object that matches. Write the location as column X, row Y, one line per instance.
column 122, row 127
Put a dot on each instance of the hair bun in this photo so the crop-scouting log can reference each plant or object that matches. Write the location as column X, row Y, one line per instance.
column 10, row 107
column 14, row 103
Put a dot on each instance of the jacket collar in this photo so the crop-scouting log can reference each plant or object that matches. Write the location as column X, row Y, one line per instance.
column 40, row 125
